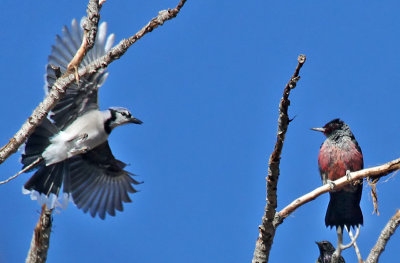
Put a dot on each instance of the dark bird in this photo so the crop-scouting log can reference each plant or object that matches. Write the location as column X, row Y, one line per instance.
column 338, row 154
column 71, row 147
column 326, row 249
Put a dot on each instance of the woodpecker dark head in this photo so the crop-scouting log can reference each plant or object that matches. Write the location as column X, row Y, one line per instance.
column 119, row 116
column 335, row 128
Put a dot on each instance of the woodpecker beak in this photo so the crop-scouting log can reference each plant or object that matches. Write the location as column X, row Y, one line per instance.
column 134, row 120
column 318, row 129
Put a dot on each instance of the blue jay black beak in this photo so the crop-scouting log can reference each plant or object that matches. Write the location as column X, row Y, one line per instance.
column 136, row 121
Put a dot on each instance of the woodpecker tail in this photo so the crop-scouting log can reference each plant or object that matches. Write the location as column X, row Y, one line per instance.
column 47, row 180
column 344, row 208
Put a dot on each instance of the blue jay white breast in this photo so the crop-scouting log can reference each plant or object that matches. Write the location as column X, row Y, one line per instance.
column 72, row 144
column 85, row 133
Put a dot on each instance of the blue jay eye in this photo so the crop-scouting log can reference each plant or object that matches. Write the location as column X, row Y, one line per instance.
column 126, row 114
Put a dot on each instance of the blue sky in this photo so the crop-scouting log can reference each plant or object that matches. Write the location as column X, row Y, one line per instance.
column 207, row 86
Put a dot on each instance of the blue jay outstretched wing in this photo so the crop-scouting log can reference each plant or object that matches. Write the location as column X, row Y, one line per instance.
column 73, row 147
column 98, row 182
column 83, row 97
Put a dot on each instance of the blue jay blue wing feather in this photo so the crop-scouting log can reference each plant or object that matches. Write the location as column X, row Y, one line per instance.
column 99, row 183
column 83, row 97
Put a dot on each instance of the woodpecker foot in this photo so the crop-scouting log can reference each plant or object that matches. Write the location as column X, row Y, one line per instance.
column 348, row 176
column 332, row 185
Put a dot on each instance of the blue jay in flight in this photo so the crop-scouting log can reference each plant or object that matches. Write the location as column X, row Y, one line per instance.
column 72, row 145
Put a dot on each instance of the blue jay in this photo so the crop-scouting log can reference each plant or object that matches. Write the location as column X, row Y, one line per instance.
column 72, row 145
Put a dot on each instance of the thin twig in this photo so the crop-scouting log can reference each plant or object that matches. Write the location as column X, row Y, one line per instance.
column 384, row 237
column 352, row 238
column 340, row 247
column 374, row 194
column 356, row 249
column 23, row 170
column 336, row 255
column 267, row 229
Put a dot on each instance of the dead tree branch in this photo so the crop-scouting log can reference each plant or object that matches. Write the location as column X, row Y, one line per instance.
column 41, row 238
column 90, row 26
column 384, row 237
column 267, row 229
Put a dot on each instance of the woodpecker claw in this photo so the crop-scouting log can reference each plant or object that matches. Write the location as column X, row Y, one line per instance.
column 348, row 176
column 332, row 185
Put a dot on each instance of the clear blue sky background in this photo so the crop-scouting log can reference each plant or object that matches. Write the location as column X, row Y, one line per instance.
column 207, row 86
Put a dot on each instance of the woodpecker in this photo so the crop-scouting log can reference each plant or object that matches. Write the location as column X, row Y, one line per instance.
column 326, row 249
column 340, row 154
column 72, row 144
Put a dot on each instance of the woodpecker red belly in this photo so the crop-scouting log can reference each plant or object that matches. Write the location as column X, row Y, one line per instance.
column 340, row 153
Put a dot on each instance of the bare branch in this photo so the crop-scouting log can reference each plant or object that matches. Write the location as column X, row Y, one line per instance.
column 267, row 229
column 352, row 238
column 374, row 194
column 41, row 238
column 353, row 176
column 62, row 83
column 90, row 25
column 356, row 249
column 384, row 237
column 122, row 47
column 339, row 247
column 23, row 170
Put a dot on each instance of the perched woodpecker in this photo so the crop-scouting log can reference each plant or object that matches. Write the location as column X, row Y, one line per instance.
column 338, row 154
column 72, row 144
column 326, row 249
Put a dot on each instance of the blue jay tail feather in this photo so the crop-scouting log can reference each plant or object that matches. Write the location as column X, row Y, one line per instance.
column 47, row 179
column 37, row 143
